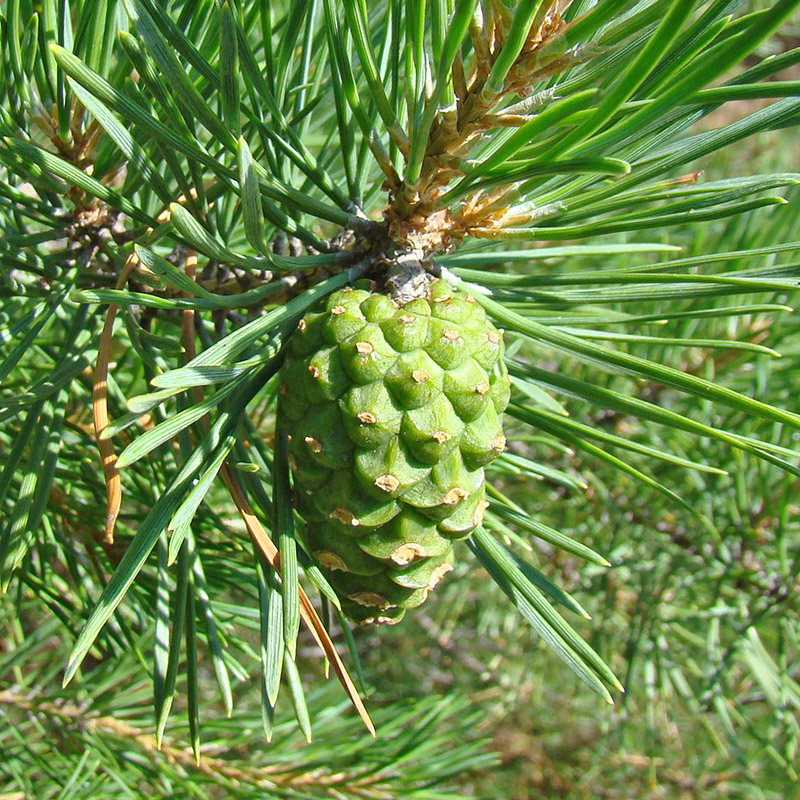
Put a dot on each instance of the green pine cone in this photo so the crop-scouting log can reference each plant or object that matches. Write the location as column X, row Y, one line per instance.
column 393, row 412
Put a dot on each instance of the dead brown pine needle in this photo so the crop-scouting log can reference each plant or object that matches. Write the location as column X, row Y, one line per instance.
column 100, row 410
column 307, row 611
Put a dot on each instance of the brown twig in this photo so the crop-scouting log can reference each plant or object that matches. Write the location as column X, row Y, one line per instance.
column 413, row 216
column 262, row 777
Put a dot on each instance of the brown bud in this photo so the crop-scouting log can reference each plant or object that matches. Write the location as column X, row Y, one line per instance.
column 478, row 518
column 370, row 599
column 438, row 574
column 345, row 517
column 314, row 444
column 330, row 560
column 499, row 443
column 455, row 495
column 387, row 483
column 419, row 376
column 406, row 553
column 381, row 620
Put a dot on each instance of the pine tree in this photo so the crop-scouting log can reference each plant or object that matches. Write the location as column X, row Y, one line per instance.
column 183, row 184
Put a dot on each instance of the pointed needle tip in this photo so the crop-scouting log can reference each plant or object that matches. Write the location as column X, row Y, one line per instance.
column 69, row 674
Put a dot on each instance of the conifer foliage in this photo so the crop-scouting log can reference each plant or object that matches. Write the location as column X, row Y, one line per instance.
column 194, row 194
